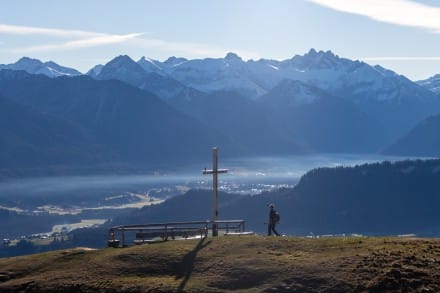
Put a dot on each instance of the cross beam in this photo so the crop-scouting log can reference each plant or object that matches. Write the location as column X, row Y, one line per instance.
column 215, row 171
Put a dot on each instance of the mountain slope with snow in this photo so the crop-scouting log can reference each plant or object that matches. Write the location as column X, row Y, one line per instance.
column 35, row 66
column 432, row 83
column 123, row 68
column 325, row 70
column 229, row 74
column 143, row 74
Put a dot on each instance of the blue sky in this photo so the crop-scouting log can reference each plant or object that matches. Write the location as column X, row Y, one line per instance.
column 401, row 35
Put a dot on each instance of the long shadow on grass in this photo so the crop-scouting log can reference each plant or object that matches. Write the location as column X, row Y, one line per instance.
column 187, row 264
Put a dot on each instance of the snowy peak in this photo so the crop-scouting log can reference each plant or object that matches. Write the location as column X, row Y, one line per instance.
column 26, row 62
column 35, row 66
column 384, row 71
column 317, row 60
column 123, row 68
column 320, row 54
column 174, row 61
column 122, row 61
column 232, row 57
column 146, row 74
column 234, row 62
column 150, row 65
column 95, row 70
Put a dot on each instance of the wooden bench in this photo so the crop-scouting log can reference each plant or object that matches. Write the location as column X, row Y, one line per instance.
column 154, row 232
column 169, row 233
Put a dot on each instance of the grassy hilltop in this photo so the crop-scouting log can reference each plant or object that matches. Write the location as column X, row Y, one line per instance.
column 248, row 264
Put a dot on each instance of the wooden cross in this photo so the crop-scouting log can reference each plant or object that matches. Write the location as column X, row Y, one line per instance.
column 215, row 171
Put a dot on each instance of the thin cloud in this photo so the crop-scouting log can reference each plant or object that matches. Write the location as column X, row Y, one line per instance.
column 28, row 30
column 398, row 12
column 79, row 44
column 403, row 58
column 81, row 39
column 84, row 39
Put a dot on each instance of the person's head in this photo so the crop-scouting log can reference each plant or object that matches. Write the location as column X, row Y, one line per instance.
column 272, row 206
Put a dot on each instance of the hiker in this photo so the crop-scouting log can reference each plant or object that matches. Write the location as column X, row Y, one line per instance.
column 274, row 218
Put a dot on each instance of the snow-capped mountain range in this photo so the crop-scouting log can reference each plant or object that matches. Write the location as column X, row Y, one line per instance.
column 35, row 66
column 324, row 70
column 432, row 83
column 374, row 88
column 316, row 102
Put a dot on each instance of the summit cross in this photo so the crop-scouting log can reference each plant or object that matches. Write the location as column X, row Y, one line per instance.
column 215, row 171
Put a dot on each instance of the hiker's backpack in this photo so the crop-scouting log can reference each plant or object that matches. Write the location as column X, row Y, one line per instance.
column 277, row 217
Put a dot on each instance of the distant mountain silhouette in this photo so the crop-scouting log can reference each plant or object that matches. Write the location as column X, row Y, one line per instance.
column 33, row 138
column 321, row 121
column 422, row 140
column 292, row 118
column 132, row 123
column 247, row 122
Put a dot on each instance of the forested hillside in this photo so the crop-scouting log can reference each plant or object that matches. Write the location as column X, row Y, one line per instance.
column 374, row 199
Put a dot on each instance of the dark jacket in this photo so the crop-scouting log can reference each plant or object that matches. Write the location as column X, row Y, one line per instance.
column 272, row 216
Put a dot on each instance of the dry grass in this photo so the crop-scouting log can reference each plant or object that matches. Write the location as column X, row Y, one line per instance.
column 247, row 264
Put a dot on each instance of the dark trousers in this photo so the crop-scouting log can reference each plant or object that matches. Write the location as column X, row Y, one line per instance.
column 271, row 227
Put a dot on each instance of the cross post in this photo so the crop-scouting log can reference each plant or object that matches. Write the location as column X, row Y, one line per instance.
column 215, row 171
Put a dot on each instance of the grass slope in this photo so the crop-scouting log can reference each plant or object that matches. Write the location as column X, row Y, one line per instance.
column 247, row 264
